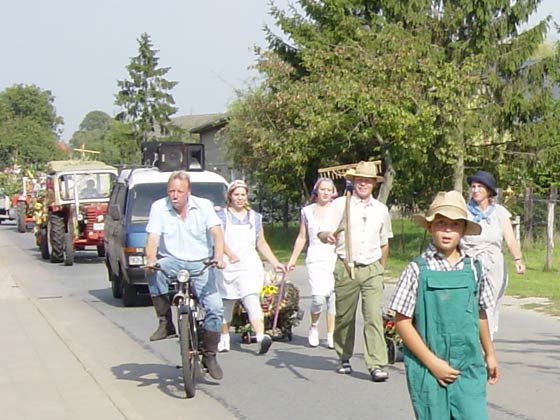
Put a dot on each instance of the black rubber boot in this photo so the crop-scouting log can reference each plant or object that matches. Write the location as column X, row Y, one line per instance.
column 163, row 311
column 211, row 340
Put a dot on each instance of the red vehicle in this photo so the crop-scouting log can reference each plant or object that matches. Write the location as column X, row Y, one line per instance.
column 30, row 193
column 77, row 194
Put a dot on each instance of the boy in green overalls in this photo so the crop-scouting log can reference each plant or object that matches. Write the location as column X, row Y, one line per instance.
column 440, row 301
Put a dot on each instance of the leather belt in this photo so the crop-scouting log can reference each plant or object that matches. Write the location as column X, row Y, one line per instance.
column 356, row 264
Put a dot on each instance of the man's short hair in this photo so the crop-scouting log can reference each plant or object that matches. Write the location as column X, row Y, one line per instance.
column 181, row 175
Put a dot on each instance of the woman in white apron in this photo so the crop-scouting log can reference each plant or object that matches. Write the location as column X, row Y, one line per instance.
column 319, row 261
column 487, row 247
column 243, row 276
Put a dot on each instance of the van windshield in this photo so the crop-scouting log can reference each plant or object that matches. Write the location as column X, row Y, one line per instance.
column 143, row 195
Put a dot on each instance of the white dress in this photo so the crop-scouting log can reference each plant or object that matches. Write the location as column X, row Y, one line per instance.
column 320, row 258
column 487, row 247
column 246, row 276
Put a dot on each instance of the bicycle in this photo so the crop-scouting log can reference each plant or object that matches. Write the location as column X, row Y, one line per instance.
column 190, row 320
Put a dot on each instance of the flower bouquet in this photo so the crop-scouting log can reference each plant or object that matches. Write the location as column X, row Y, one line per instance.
column 280, row 306
column 392, row 338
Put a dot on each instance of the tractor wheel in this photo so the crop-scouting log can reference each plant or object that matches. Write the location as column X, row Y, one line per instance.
column 56, row 237
column 68, row 249
column 44, row 242
column 21, row 211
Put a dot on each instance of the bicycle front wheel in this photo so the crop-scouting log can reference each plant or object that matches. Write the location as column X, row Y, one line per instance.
column 189, row 356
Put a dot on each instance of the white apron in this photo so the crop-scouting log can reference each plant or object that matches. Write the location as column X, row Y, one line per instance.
column 246, row 276
column 320, row 258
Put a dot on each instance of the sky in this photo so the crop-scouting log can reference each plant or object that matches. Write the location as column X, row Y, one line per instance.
column 78, row 50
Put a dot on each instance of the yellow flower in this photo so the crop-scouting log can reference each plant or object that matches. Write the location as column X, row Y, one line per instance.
column 269, row 289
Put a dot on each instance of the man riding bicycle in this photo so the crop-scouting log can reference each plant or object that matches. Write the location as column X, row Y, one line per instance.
column 183, row 230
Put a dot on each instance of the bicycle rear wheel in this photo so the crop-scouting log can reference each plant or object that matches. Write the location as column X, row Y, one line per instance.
column 189, row 353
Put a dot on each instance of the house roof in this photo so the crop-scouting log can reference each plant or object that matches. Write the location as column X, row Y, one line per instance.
column 189, row 122
column 219, row 121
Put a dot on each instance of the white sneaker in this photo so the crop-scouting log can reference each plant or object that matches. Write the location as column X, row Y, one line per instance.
column 223, row 345
column 313, row 337
column 330, row 341
column 264, row 344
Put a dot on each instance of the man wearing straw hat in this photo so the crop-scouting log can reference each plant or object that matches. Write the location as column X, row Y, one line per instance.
column 368, row 226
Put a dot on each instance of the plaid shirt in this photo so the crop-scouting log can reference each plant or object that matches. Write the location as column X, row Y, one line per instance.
column 406, row 292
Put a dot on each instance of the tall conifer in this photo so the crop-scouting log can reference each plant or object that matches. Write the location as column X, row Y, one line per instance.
column 146, row 99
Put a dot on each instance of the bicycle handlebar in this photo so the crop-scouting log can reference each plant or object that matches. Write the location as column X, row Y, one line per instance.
column 207, row 263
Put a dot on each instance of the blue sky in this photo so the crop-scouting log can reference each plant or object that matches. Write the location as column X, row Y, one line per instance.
column 78, row 50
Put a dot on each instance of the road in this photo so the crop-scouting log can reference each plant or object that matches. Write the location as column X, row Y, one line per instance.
column 139, row 379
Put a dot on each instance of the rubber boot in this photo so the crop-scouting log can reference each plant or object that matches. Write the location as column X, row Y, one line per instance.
column 163, row 311
column 211, row 340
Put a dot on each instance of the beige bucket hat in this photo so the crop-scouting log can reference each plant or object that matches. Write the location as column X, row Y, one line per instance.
column 450, row 204
column 365, row 170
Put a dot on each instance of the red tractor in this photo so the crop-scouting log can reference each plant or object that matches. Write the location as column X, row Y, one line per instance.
column 76, row 201
column 27, row 200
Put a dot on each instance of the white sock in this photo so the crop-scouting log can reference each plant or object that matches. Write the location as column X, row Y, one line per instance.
column 259, row 337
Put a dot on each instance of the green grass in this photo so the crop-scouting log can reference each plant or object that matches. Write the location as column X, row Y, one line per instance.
column 536, row 282
column 282, row 240
column 410, row 240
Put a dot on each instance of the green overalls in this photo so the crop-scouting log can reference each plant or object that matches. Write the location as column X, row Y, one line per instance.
column 446, row 317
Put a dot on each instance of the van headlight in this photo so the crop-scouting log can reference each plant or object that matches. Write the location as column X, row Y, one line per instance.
column 136, row 260
column 183, row 276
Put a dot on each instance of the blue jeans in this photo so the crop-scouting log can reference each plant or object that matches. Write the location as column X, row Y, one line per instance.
column 204, row 286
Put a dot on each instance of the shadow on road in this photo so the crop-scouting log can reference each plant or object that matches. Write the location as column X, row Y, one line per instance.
column 297, row 363
column 165, row 378
column 106, row 296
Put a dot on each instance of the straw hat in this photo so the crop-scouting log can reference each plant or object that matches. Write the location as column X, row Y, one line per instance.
column 452, row 205
column 365, row 170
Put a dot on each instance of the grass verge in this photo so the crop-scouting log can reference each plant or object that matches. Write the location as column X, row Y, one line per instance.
column 409, row 240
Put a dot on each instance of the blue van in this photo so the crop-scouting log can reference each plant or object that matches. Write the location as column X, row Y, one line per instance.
column 131, row 198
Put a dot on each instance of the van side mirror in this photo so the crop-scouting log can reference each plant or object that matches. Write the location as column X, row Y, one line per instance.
column 114, row 212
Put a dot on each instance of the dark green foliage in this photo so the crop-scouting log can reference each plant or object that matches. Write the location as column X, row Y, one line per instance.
column 434, row 89
column 29, row 127
column 115, row 141
column 146, row 99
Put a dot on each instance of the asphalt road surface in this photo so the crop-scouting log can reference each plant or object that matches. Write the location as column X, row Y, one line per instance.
column 292, row 381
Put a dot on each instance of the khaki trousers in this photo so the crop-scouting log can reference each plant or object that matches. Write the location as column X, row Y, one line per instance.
column 367, row 284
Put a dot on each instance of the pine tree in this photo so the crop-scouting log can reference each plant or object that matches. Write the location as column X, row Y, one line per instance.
column 146, row 99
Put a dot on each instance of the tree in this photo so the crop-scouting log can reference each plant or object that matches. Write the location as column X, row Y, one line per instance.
column 29, row 127
column 114, row 140
column 349, row 94
column 146, row 99
column 95, row 120
column 428, row 86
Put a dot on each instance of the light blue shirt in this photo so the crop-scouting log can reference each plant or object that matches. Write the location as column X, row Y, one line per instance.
column 187, row 239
